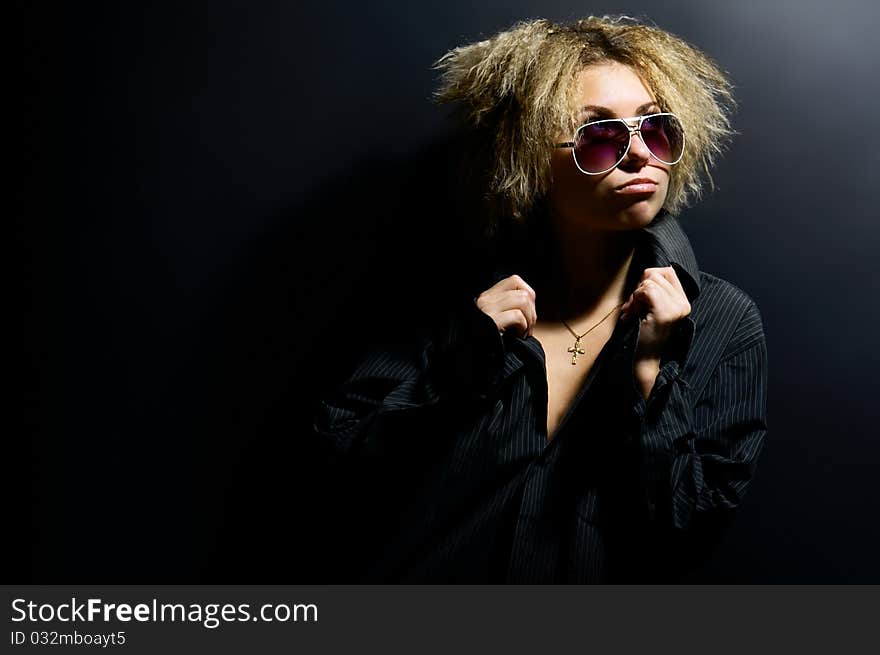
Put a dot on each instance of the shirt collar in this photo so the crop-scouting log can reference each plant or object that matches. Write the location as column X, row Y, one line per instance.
column 668, row 245
column 663, row 243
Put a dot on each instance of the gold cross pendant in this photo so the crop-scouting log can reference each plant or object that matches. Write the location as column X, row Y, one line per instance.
column 576, row 350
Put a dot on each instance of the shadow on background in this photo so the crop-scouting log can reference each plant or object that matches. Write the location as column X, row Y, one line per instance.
column 373, row 258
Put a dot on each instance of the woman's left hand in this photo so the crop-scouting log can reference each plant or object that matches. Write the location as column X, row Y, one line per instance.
column 660, row 302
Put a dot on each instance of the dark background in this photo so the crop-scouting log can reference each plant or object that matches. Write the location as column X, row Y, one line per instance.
column 209, row 194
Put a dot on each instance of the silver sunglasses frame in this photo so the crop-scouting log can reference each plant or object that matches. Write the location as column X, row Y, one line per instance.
column 632, row 130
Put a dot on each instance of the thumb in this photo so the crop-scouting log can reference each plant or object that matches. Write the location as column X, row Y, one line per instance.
column 625, row 308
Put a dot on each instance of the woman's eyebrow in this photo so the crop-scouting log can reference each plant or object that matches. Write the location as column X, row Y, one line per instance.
column 604, row 112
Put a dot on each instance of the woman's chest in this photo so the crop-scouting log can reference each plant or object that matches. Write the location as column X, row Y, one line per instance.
column 568, row 364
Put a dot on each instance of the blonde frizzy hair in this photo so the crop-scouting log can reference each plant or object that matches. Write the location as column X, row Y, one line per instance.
column 516, row 92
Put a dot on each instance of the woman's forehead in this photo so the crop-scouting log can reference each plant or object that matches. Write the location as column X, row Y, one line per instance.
column 611, row 88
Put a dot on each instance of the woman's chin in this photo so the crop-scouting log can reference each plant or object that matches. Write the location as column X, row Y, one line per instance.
column 639, row 215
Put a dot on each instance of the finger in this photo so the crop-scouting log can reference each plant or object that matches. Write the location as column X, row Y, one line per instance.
column 644, row 297
column 627, row 309
column 648, row 272
column 522, row 299
column 534, row 319
column 519, row 283
column 658, row 273
column 668, row 280
column 532, row 313
column 652, row 292
column 504, row 284
column 631, row 306
column 512, row 319
column 486, row 302
column 624, row 308
column 663, row 283
column 496, row 298
column 635, row 295
column 669, row 273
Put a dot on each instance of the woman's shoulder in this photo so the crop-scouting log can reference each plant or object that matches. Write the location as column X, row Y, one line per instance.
column 726, row 311
column 724, row 294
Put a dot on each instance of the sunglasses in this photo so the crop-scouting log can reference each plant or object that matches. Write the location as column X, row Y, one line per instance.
column 600, row 146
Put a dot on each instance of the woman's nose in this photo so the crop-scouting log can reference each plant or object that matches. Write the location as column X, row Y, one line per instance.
column 638, row 154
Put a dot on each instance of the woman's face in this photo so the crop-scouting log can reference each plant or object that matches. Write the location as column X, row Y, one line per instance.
column 609, row 90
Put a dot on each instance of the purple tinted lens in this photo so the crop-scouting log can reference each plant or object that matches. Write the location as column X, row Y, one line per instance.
column 600, row 146
column 663, row 136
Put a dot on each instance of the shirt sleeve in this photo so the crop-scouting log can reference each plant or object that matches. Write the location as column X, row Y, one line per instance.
column 698, row 455
column 461, row 359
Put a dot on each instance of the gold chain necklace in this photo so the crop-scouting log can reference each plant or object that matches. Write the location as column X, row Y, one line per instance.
column 576, row 349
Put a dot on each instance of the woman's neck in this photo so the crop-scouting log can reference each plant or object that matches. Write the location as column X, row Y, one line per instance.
column 586, row 274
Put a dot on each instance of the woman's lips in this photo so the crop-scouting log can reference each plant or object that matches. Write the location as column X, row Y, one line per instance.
column 637, row 186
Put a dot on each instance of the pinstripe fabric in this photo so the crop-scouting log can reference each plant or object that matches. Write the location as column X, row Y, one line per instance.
column 628, row 490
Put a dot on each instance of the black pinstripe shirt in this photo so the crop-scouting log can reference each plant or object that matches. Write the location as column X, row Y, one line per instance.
column 628, row 490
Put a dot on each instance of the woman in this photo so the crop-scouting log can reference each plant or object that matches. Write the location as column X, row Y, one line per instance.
column 595, row 410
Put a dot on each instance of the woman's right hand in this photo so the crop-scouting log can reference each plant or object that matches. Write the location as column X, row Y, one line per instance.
column 511, row 304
